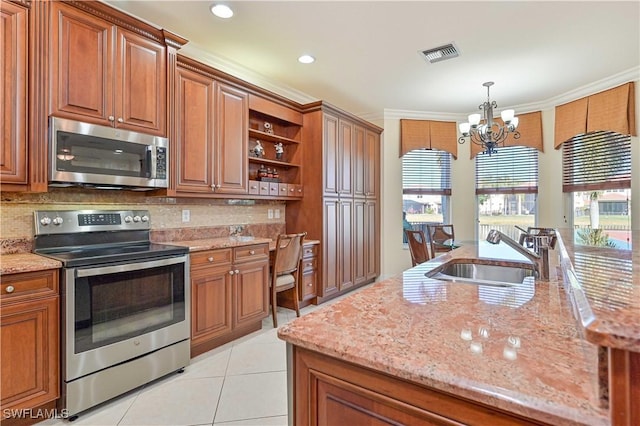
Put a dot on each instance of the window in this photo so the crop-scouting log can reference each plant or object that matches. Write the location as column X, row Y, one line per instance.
column 506, row 190
column 596, row 172
column 426, row 187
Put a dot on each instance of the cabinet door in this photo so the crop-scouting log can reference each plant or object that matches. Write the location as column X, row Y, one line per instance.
column 81, row 65
column 194, row 110
column 359, row 161
column 29, row 332
column 231, row 153
column 359, row 242
column 13, row 91
column 345, row 221
column 345, row 157
column 371, row 240
column 251, row 292
column 330, row 249
column 211, row 303
column 371, row 164
column 331, row 154
column 140, row 84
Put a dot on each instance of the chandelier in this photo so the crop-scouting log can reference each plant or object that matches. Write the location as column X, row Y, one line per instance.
column 483, row 131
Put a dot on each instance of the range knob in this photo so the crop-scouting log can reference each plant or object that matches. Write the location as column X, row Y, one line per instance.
column 57, row 221
column 145, row 218
column 128, row 219
column 136, row 219
column 45, row 221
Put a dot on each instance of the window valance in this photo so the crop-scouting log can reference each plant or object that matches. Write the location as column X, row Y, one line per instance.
column 611, row 110
column 428, row 134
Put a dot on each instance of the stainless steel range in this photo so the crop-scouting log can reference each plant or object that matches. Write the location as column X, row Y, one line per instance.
column 125, row 302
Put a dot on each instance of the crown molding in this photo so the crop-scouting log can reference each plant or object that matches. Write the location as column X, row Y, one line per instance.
column 610, row 82
column 198, row 53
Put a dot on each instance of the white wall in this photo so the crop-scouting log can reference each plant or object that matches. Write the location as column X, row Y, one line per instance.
column 553, row 205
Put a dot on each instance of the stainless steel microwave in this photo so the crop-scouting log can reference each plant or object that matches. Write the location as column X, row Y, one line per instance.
column 105, row 157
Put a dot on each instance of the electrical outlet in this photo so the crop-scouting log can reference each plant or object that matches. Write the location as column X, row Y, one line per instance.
column 270, row 214
column 186, row 216
column 277, row 213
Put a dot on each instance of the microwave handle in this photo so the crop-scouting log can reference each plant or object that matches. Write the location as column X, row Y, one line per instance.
column 151, row 162
column 127, row 267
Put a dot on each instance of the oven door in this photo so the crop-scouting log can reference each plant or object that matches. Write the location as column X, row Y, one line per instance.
column 116, row 312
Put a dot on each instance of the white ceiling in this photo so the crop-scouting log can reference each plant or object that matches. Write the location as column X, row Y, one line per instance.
column 367, row 51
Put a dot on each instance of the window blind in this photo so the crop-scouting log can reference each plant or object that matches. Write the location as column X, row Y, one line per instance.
column 511, row 170
column 596, row 161
column 426, row 171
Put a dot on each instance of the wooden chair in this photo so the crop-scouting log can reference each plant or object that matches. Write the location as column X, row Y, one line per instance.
column 417, row 246
column 286, row 271
column 441, row 238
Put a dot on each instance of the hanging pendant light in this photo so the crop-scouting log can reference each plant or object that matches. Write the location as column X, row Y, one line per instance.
column 483, row 131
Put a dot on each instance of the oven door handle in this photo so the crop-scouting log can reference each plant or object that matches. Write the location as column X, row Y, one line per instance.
column 104, row 270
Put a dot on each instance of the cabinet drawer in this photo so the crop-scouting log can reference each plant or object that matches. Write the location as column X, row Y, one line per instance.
column 284, row 189
column 309, row 264
column 308, row 287
column 251, row 253
column 310, row 250
column 295, row 190
column 29, row 284
column 274, row 189
column 208, row 257
column 264, row 188
column 254, row 187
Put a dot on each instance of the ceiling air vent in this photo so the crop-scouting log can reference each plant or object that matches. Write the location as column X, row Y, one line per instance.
column 441, row 53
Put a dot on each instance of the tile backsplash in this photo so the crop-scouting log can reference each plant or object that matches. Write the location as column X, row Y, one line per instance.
column 168, row 215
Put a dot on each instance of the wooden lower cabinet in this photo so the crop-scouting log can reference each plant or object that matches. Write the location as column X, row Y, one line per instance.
column 328, row 391
column 229, row 295
column 29, row 343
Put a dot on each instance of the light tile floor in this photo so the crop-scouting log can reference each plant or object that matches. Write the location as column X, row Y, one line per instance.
column 241, row 383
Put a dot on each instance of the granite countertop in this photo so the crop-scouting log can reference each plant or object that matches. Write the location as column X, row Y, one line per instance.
column 605, row 285
column 225, row 242
column 515, row 348
column 26, row 262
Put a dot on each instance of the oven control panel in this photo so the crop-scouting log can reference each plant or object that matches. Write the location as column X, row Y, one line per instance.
column 75, row 221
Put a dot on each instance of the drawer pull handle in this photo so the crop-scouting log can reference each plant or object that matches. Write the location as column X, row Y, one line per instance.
column 252, row 252
column 210, row 259
column 230, row 272
column 10, row 289
column 310, row 285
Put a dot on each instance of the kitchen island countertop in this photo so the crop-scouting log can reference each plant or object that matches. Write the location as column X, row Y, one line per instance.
column 518, row 349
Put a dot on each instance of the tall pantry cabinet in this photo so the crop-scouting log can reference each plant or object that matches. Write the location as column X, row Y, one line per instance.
column 341, row 203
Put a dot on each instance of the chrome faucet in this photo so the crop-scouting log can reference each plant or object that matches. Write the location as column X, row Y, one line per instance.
column 540, row 259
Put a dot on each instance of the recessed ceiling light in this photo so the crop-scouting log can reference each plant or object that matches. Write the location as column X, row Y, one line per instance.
column 306, row 59
column 221, row 11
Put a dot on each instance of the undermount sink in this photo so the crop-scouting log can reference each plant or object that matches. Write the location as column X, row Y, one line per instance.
column 472, row 273
column 242, row 238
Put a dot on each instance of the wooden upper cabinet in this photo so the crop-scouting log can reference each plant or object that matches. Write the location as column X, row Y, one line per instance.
column 194, row 115
column 13, row 152
column 105, row 75
column 359, row 161
column 141, row 76
column 211, row 133
column 371, row 164
column 331, row 153
column 231, row 154
column 345, row 157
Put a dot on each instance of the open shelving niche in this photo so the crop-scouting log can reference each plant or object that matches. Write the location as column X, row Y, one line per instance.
column 288, row 167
